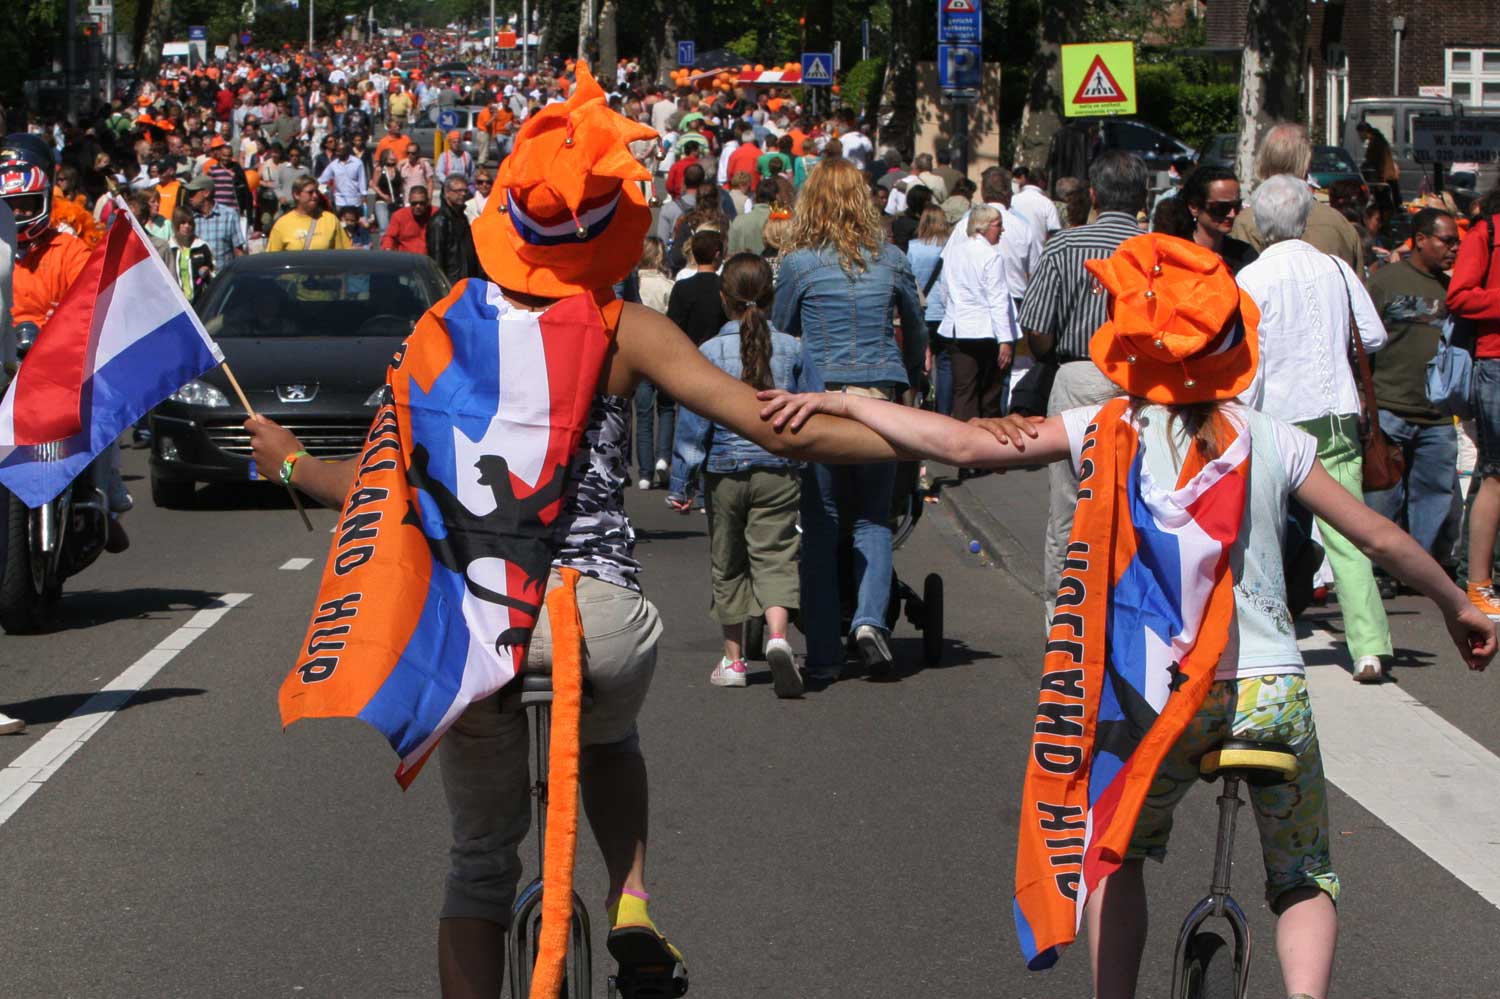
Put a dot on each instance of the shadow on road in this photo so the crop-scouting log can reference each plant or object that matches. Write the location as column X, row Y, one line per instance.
column 89, row 608
column 646, row 535
column 56, row 707
column 217, row 497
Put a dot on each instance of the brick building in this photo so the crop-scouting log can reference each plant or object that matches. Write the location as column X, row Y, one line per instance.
column 1449, row 48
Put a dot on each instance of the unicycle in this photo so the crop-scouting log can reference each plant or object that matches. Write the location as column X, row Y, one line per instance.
column 1207, row 965
column 533, row 692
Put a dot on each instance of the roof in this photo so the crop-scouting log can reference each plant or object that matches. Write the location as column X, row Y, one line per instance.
column 362, row 261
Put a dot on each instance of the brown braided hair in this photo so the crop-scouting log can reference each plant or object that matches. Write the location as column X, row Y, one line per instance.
column 746, row 288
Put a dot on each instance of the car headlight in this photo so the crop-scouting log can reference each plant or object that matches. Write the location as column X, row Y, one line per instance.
column 377, row 397
column 200, row 393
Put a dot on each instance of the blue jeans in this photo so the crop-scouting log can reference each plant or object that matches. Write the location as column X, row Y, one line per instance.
column 648, row 449
column 1426, row 491
column 942, row 370
column 864, row 493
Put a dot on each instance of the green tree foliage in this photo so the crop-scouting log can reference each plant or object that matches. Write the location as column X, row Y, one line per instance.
column 1192, row 111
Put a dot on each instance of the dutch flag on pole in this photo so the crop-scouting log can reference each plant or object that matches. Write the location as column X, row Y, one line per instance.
column 123, row 338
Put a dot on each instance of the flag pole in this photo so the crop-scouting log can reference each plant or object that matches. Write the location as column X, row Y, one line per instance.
column 240, row 393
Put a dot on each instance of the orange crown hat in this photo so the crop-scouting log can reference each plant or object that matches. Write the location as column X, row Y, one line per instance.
column 569, row 213
column 1180, row 330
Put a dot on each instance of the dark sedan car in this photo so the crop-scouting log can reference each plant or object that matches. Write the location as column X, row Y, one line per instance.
column 309, row 336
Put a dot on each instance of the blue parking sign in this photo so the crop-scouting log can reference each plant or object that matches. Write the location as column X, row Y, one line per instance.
column 960, row 67
column 418, row 41
column 817, row 69
column 687, row 53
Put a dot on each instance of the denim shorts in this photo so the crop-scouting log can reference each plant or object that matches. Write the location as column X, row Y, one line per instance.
column 1487, row 415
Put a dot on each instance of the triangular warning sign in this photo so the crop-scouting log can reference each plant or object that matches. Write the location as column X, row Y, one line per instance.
column 817, row 70
column 958, row 6
column 1099, row 85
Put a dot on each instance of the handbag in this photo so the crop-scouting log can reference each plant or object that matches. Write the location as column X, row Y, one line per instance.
column 1384, row 462
column 1450, row 373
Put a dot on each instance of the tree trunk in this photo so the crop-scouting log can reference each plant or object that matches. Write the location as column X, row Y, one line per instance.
column 157, row 15
column 666, row 55
column 1271, row 72
column 585, row 29
column 1042, row 115
column 609, row 47
column 909, row 25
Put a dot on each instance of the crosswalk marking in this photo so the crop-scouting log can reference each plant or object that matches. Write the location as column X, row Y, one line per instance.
column 1415, row 772
column 296, row 564
column 29, row 771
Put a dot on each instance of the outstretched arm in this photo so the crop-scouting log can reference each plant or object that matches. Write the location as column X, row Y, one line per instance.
column 1395, row 550
column 997, row 444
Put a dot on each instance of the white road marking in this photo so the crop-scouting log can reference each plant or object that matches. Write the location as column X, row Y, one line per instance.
column 29, row 771
column 295, row 564
column 1414, row 771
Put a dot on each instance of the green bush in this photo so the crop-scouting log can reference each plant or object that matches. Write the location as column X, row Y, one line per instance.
column 1189, row 110
column 861, row 85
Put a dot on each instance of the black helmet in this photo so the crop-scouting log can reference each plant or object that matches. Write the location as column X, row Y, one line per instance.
column 26, row 168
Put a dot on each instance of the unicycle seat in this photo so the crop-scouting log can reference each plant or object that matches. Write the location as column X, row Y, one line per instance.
column 1260, row 764
column 534, row 687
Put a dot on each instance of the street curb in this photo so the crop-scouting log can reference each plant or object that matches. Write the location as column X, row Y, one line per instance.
column 995, row 539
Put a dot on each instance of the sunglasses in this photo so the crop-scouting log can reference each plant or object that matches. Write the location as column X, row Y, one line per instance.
column 1223, row 209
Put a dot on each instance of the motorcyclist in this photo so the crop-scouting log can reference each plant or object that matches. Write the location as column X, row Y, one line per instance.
column 48, row 261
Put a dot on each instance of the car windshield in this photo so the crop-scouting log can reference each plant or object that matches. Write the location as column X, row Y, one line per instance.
column 346, row 302
column 1331, row 159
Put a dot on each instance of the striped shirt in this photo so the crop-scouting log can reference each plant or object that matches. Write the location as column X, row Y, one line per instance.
column 1063, row 299
column 224, row 193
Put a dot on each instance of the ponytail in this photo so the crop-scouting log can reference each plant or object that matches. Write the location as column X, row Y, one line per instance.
column 746, row 287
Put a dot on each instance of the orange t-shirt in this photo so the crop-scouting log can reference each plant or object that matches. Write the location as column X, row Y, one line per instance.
column 169, row 194
column 798, row 137
column 396, row 144
column 42, row 276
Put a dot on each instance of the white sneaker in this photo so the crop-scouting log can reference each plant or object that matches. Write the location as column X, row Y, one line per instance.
column 1368, row 669
column 729, row 673
column 9, row 725
column 663, row 470
column 873, row 649
column 786, row 678
column 643, row 485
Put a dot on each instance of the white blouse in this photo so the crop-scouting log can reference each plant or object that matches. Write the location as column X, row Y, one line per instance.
column 1304, row 296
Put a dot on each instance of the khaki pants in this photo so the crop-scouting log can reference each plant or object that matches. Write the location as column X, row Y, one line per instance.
column 753, row 542
column 485, row 754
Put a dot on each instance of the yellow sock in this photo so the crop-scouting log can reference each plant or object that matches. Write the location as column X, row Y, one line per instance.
column 630, row 909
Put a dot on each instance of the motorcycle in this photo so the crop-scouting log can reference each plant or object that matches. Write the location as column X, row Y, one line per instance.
column 46, row 545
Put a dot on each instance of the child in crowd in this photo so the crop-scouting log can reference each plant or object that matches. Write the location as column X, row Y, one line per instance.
column 753, row 495
column 1177, row 544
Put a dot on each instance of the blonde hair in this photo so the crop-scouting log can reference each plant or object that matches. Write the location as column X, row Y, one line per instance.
column 979, row 219
column 654, row 255
column 1285, row 149
column 834, row 211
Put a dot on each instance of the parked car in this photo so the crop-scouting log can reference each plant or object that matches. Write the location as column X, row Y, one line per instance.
column 309, row 336
column 425, row 127
column 1150, row 143
column 1331, row 164
column 1221, row 150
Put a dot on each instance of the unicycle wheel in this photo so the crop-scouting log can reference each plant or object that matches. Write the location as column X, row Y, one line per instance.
column 1209, row 968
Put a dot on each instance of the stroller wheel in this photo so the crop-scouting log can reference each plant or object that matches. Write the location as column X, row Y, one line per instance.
column 932, row 619
column 755, row 639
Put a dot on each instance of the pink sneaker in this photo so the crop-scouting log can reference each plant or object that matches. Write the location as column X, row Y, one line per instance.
column 729, row 673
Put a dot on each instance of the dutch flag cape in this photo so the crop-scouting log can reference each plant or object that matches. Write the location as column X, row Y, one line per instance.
column 1144, row 609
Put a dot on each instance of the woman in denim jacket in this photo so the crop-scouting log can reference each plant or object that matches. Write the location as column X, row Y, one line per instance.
column 839, row 287
column 752, row 494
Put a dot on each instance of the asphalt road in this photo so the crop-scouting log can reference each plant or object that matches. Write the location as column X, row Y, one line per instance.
column 858, row 843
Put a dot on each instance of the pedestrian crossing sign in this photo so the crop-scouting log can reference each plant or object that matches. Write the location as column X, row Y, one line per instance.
column 1098, row 78
column 817, row 69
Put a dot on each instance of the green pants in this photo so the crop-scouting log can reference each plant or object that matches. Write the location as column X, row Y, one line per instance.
column 1365, row 628
column 753, row 542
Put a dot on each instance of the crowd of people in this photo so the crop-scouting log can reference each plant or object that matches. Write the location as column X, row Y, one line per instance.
column 799, row 257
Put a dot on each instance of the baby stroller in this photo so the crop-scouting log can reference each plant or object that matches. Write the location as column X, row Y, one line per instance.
column 924, row 611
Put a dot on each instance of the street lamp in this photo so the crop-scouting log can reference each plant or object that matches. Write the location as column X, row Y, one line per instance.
column 1398, row 28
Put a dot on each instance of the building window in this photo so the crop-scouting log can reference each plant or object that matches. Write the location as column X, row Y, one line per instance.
column 1473, row 77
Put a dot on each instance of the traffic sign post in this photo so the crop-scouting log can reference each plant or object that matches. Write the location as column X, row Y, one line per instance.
column 960, row 73
column 418, row 41
column 817, row 69
column 1098, row 78
column 687, row 53
column 448, row 119
column 960, row 22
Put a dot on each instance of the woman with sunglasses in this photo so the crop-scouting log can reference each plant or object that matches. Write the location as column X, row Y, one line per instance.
column 1212, row 195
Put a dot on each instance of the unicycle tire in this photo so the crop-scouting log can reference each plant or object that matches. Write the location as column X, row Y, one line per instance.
column 754, row 649
column 932, row 619
column 1209, row 968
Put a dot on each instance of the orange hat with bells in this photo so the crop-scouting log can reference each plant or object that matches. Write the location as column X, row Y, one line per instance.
column 569, row 212
column 1180, row 330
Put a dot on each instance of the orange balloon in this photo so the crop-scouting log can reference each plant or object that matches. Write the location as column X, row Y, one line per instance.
column 835, row 88
column 759, row 68
column 747, row 68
